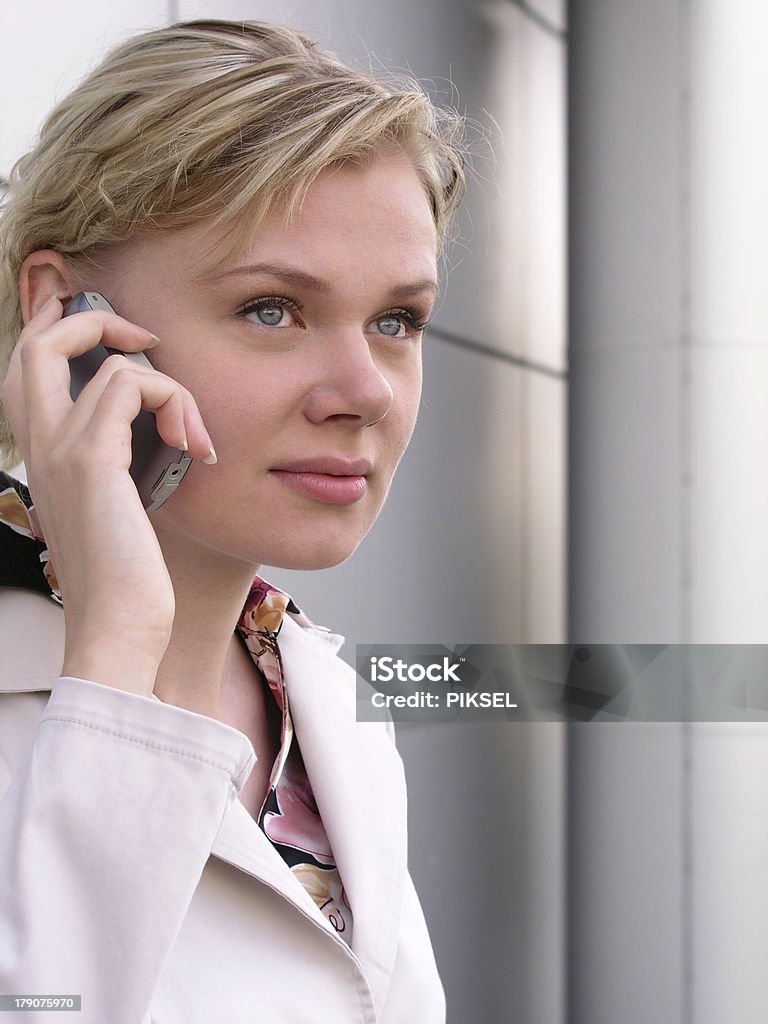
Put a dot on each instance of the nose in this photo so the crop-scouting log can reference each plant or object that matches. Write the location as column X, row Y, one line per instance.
column 349, row 384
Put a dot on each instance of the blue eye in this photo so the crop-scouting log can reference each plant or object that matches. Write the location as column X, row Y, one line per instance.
column 391, row 325
column 272, row 311
column 270, row 315
column 399, row 323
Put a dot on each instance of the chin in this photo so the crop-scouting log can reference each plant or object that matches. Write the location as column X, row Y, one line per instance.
column 307, row 543
column 315, row 549
column 311, row 556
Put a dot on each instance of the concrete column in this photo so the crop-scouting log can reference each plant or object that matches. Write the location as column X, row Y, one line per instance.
column 669, row 363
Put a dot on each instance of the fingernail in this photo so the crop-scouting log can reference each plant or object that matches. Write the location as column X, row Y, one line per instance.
column 184, row 444
column 211, row 459
column 153, row 340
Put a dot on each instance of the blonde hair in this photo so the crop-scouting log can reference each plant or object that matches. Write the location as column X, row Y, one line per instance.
column 206, row 121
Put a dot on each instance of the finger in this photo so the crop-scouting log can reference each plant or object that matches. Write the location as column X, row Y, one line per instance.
column 198, row 440
column 50, row 311
column 73, row 335
column 120, row 389
column 12, row 388
column 44, row 350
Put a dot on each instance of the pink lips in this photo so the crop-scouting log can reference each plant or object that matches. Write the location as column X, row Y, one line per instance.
column 329, row 479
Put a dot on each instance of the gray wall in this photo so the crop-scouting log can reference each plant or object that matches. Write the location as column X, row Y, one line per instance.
column 669, row 364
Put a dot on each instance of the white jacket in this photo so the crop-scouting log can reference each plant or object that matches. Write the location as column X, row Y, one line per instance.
column 130, row 874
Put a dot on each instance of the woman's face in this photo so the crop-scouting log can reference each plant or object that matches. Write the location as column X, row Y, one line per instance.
column 303, row 353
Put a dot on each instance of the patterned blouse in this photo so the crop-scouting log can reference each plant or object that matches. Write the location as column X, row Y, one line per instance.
column 289, row 816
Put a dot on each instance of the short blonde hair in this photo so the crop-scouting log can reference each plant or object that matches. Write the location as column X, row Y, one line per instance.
column 206, row 121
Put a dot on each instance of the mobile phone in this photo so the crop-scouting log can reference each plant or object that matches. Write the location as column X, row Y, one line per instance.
column 156, row 468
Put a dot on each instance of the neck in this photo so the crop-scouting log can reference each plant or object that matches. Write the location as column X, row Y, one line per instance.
column 210, row 591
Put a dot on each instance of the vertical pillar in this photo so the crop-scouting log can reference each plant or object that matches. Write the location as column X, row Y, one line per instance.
column 669, row 363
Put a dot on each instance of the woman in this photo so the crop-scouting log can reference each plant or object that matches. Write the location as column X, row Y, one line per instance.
column 194, row 827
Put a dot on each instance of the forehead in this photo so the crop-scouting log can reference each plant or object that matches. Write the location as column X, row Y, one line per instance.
column 376, row 213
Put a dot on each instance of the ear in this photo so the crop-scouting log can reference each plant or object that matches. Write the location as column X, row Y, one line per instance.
column 44, row 273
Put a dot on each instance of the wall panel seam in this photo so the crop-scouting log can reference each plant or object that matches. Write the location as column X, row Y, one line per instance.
column 540, row 20
column 685, row 87
column 495, row 353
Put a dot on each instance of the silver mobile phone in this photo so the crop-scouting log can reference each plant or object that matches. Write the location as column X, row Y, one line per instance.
column 156, row 468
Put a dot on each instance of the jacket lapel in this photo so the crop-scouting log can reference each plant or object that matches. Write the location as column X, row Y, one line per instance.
column 357, row 780
column 241, row 843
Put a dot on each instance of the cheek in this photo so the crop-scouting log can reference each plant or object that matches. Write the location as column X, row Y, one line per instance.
column 244, row 402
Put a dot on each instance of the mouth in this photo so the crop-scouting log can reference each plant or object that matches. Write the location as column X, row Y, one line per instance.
column 328, row 479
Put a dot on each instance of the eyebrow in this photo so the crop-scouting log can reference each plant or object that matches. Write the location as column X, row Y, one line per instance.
column 304, row 280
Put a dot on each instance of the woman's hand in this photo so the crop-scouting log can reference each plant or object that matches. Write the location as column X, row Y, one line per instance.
column 118, row 597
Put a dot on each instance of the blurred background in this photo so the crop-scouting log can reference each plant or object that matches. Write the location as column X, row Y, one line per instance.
column 585, row 469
